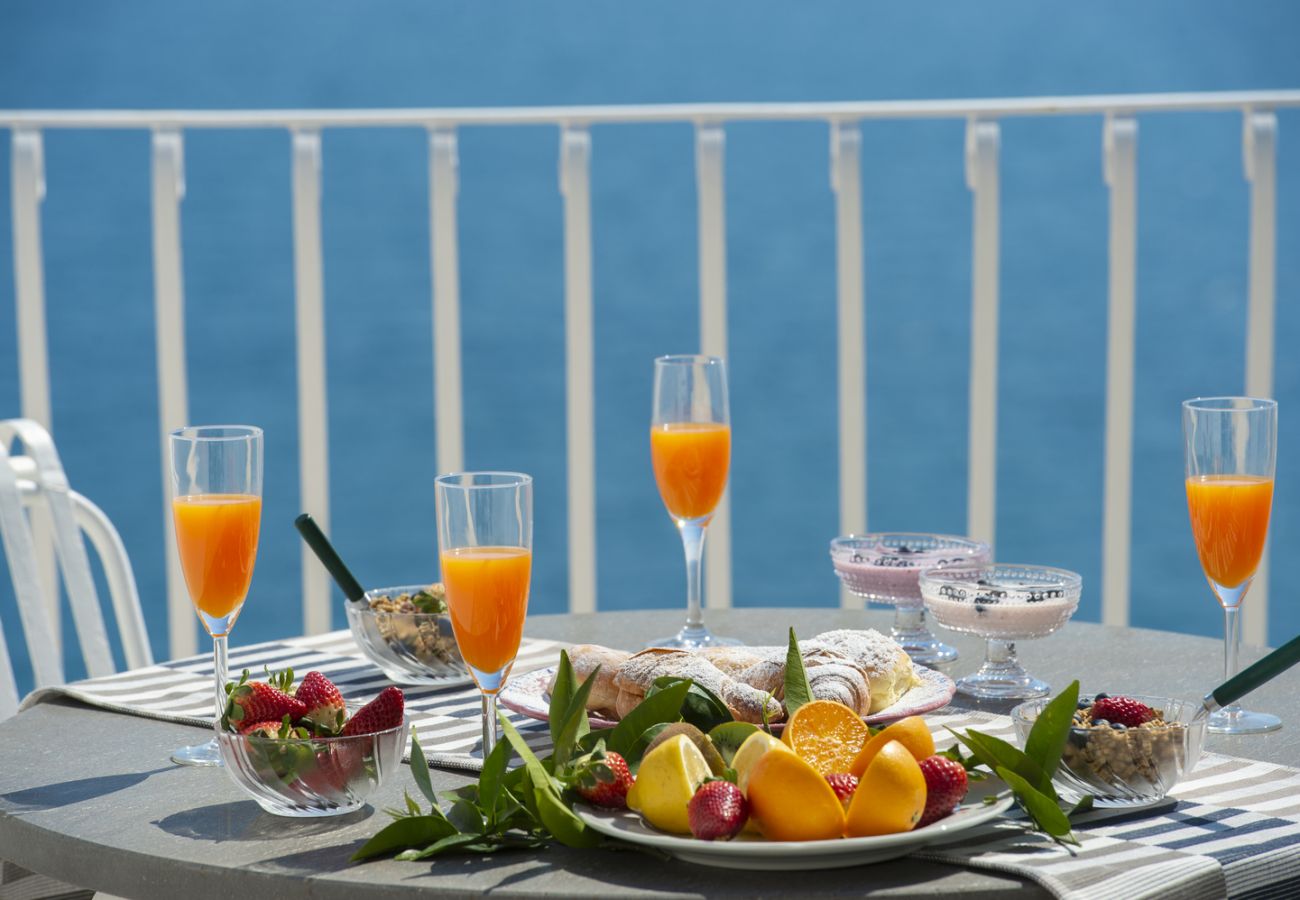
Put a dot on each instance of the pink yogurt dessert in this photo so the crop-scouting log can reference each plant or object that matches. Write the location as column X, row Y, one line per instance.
column 884, row 568
column 1002, row 601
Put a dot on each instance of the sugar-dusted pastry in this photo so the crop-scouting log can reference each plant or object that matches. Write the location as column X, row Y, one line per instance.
column 733, row 660
column 639, row 672
column 585, row 658
column 888, row 667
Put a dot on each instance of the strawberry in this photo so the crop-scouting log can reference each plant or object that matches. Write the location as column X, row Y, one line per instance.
column 257, row 701
column 844, row 785
column 945, row 787
column 718, row 810
column 1122, row 710
column 324, row 703
column 268, row 729
column 604, row 781
column 380, row 714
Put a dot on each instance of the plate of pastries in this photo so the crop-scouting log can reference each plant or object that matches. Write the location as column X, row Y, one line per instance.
column 864, row 670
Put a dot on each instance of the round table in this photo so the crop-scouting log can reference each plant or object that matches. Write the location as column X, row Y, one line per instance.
column 89, row 796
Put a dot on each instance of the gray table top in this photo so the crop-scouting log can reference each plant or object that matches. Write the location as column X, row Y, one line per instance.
column 90, row 797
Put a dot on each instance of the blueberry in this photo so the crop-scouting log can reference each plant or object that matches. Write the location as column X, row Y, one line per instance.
column 1100, row 697
column 1100, row 723
column 981, row 609
column 1118, row 726
column 1085, row 704
column 1078, row 738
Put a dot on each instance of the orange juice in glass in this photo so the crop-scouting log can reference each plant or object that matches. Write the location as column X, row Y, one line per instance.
column 485, row 536
column 216, row 514
column 1230, row 446
column 690, row 450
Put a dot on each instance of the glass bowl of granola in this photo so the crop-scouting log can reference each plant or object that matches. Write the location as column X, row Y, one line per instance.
column 1125, row 750
column 406, row 631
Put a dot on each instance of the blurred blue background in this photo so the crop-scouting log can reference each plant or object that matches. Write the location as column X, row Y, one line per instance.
column 781, row 268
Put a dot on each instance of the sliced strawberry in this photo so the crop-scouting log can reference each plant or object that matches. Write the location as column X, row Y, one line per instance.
column 380, row 714
column 324, row 703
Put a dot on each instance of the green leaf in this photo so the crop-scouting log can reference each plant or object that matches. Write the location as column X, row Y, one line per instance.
column 489, row 780
column 1049, row 732
column 701, row 708
column 637, row 750
column 417, row 831
column 1082, row 806
column 536, row 771
column 412, row 808
column 575, row 723
column 563, row 822
column 561, row 695
column 994, row 752
column 450, row 842
column 1044, row 810
column 797, row 692
column 420, row 769
column 467, row 817
column 664, row 706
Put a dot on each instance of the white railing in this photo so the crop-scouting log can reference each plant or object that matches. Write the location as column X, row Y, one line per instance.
column 1119, row 130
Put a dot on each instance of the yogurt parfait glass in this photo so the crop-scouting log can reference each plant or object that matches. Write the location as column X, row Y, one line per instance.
column 1001, row 603
column 885, row 568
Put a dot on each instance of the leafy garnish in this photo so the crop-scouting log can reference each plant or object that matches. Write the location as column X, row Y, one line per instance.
column 797, row 691
column 701, row 707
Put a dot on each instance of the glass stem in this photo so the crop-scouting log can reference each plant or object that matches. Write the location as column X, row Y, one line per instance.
column 489, row 723
column 219, row 666
column 1231, row 646
column 1000, row 653
column 693, row 543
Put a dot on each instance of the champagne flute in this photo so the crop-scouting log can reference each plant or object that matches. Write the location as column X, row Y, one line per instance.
column 1231, row 453
column 690, row 447
column 217, row 512
column 485, row 532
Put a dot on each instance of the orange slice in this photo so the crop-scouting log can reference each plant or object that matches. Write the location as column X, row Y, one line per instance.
column 826, row 734
column 792, row 801
column 911, row 732
column 891, row 795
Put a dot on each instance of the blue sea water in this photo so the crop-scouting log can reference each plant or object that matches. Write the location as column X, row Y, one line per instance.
column 239, row 279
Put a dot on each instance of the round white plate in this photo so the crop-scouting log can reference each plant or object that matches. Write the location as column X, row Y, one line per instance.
column 755, row 853
column 528, row 695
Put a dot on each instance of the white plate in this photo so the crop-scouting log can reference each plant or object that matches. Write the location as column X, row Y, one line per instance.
column 528, row 695
column 755, row 853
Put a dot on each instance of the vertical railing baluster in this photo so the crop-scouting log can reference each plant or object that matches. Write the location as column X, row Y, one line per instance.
column 575, row 185
column 710, row 148
column 27, row 193
column 313, row 423
column 444, row 257
column 846, row 182
column 1260, row 152
column 1119, row 149
column 982, row 145
column 173, row 389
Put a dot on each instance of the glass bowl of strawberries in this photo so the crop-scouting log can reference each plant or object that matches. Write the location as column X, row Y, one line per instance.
column 1125, row 750
column 406, row 631
column 307, row 752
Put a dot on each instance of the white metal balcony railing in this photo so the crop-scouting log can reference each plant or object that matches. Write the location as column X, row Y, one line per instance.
column 1118, row 133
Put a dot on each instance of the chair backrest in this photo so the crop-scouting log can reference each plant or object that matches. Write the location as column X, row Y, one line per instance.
column 34, row 489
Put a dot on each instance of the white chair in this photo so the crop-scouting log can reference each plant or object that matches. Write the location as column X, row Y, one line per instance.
column 33, row 485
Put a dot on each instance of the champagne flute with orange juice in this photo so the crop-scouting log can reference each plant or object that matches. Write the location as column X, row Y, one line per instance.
column 217, row 513
column 690, row 448
column 485, row 536
column 1231, row 452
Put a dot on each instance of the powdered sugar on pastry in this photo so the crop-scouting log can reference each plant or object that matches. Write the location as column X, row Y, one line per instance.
column 746, row 703
column 889, row 669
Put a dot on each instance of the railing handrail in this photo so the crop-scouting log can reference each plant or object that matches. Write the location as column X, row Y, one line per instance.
column 857, row 110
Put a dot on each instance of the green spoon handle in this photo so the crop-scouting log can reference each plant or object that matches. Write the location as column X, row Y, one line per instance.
column 1257, row 673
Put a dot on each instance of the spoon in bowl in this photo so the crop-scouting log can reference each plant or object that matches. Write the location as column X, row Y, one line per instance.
column 329, row 557
column 1251, row 677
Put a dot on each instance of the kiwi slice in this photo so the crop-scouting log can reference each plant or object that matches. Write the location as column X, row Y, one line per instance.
column 698, row 738
column 728, row 737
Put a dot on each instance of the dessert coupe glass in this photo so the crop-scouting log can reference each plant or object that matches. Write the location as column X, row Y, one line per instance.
column 217, row 513
column 1001, row 603
column 690, row 447
column 1230, row 456
column 485, row 532
column 885, row 568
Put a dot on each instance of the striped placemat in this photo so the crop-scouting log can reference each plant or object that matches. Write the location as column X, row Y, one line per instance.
column 448, row 720
column 1231, row 829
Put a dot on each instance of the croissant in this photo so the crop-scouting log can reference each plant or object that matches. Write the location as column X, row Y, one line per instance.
column 889, row 669
column 831, row 675
column 585, row 658
column 638, row 673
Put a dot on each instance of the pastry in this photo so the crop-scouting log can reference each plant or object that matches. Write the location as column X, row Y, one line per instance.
column 585, row 658
column 638, row 673
column 888, row 667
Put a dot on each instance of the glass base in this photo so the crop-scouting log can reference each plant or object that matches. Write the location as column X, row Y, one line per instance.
column 912, row 634
column 199, row 755
column 694, row 639
column 1235, row 720
column 1003, row 684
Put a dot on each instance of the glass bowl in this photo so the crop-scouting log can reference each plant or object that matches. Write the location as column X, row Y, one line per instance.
column 312, row 777
column 1128, row 767
column 410, row 648
column 1001, row 603
column 885, row 568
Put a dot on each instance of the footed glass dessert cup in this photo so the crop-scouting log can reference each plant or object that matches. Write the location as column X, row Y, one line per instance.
column 885, row 568
column 1001, row 603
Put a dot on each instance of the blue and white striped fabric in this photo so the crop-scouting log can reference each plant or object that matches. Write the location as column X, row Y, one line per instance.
column 1232, row 828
